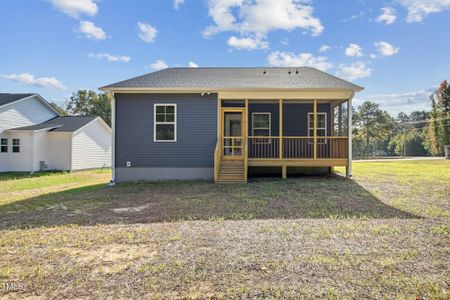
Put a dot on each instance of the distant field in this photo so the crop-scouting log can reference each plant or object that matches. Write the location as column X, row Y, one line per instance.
column 384, row 234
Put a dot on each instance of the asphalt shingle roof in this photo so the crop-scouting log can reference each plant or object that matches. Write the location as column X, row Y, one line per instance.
column 6, row 98
column 237, row 78
column 60, row 124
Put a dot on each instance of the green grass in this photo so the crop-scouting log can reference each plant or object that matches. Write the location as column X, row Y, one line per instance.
column 383, row 234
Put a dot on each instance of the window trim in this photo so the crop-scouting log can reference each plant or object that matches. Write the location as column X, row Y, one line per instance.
column 6, row 145
column 165, row 123
column 322, row 128
column 270, row 122
column 262, row 140
column 12, row 145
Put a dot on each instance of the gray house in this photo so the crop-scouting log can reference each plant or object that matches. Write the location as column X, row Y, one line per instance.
column 222, row 123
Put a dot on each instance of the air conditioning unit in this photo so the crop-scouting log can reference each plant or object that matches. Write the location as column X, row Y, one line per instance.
column 42, row 165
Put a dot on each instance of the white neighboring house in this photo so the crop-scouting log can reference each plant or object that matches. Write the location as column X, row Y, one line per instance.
column 35, row 137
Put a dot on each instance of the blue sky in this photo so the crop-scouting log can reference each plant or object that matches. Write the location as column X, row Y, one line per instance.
column 397, row 49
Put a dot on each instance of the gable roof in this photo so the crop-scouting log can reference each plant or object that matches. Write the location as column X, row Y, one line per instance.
column 60, row 124
column 9, row 98
column 235, row 78
column 6, row 98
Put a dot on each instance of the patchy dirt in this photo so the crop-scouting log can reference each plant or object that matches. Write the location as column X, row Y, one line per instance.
column 383, row 235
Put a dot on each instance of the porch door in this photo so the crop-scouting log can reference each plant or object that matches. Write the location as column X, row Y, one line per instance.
column 233, row 133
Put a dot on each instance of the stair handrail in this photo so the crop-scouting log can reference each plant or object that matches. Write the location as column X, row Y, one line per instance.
column 217, row 159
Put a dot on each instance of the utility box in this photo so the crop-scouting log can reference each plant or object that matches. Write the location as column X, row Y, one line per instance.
column 447, row 151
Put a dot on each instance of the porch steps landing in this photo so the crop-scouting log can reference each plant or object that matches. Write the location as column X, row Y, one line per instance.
column 231, row 171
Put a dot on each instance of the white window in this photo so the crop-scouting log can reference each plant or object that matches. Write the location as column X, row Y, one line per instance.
column 321, row 124
column 261, row 124
column 165, row 123
column 16, row 145
column 4, row 145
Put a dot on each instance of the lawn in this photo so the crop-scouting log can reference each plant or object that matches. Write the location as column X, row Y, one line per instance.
column 384, row 234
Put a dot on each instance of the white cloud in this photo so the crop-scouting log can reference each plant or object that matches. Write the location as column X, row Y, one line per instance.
column 147, row 32
column 324, row 48
column 91, row 31
column 247, row 43
column 258, row 18
column 386, row 49
column 354, row 17
column 76, row 8
column 398, row 102
column 387, row 17
column 288, row 59
column 419, row 9
column 159, row 65
column 192, row 65
column 29, row 79
column 354, row 71
column 177, row 3
column 354, row 50
column 109, row 57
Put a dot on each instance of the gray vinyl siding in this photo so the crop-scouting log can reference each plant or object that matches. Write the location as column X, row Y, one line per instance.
column 196, row 131
column 295, row 117
column 272, row 108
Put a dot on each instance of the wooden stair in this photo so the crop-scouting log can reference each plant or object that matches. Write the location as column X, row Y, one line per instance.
column 231, row 171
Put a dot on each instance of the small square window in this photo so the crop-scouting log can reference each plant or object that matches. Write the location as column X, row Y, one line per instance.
column 4, row 145
column 16, row 145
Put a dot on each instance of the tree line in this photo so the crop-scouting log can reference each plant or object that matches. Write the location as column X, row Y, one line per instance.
column 375, row 132
column 420, row 133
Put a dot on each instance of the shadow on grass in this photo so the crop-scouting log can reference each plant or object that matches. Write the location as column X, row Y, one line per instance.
column 150, row 202
column 5, row 176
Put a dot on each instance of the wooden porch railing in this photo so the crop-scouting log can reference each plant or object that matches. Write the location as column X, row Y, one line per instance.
column 297, row 147
column 263, row 147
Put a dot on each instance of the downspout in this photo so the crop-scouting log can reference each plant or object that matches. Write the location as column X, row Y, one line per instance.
column 350, row 131
column 113, row 140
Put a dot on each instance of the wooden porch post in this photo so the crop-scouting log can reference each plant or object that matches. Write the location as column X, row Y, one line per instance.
column 246, row 141
column 349, row 137
column 283, row 168
column 281, row 126
column 315, row 128
column 340, row 120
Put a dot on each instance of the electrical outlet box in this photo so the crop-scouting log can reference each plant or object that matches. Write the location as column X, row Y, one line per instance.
column 128, row 164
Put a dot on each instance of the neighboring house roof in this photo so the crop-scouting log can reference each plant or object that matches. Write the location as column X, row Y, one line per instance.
column 6, row 98
column 59, row 124
column 9, row 98
column 236, row 78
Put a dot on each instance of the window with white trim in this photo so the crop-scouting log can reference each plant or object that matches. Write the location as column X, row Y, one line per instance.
column 321, row 124
column 261, row 124
column 15, row 145
column 4, row 145
column 165, row 123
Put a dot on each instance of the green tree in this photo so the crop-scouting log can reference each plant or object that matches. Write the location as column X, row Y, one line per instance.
column 58, row 108
column 371, row 126
column 89, row 103
column 438, row 131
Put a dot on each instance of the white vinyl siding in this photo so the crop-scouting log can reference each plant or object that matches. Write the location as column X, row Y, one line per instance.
column 24, row 113
column 60, row 149
column 91, row 147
